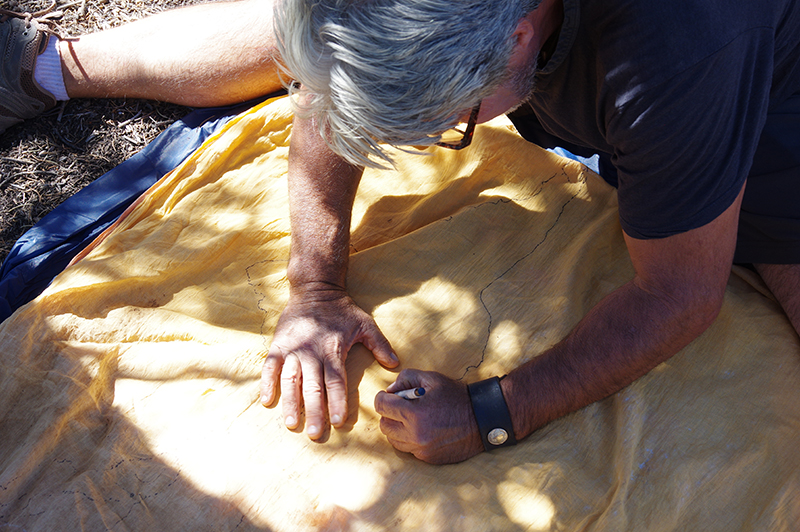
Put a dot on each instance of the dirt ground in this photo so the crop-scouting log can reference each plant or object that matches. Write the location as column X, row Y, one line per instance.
column 46, row 160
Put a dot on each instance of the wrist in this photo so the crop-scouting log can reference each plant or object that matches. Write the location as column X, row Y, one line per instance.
column 493, row 418
column 314, row 274
column 317, row 291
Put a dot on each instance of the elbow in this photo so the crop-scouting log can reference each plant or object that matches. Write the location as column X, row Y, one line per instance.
column 693, row 308
column 700, row 314
column 697, row 311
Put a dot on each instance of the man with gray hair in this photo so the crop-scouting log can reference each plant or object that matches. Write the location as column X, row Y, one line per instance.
column 685, row 106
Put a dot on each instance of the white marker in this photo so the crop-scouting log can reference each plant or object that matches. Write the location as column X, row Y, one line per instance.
column 411, row 393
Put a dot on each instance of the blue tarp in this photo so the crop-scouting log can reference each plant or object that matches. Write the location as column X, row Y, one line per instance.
column 48, row 247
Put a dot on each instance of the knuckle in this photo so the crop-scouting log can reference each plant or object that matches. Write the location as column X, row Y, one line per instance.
column 288, row 380
column 334, row 380
column 430, row 457
column 274, row 355
column 266, row 385
column 272, row 364
column 407, row 373
column 423, row 455
column 313, row 387
column 290, row 376
column 333, row 364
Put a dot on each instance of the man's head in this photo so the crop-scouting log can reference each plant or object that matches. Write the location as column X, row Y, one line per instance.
column 398, row 71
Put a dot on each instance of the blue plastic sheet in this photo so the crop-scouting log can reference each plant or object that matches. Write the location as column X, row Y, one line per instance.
column 48, row 247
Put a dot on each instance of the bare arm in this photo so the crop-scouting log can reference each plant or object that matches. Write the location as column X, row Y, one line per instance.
column 322, row 188
column 675, row 295
column 320, row 323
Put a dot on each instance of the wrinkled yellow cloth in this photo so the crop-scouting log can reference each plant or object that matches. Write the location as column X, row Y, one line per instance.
column 129, row 397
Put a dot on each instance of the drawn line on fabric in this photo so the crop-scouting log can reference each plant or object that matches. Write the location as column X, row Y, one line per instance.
column 137, row 498
column 517, row 262
column 262, row 295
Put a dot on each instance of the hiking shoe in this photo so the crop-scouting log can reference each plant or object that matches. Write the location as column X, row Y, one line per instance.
column 23, row 38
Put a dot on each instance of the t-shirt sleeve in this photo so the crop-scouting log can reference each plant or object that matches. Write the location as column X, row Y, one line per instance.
column 684, row 147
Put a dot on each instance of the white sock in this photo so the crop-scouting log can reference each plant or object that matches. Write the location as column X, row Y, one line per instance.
column 47, row 71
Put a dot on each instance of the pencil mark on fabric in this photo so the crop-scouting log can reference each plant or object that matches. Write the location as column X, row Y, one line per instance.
column 261, row 294
column 517, row 262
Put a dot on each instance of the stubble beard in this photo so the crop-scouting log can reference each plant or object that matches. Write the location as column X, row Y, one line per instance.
column 523, row 82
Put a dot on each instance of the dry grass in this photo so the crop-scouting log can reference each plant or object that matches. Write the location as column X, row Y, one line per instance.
column 46, row 160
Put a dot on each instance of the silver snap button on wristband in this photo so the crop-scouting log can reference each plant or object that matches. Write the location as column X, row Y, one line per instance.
column 497, row 436
column 491, row 413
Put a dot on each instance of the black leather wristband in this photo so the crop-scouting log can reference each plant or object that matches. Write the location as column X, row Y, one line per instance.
column 491, row 413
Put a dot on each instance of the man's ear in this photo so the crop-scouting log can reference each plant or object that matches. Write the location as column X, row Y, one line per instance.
column 523, row 37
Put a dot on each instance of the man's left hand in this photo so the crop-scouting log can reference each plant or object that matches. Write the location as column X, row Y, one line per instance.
column 439, row 427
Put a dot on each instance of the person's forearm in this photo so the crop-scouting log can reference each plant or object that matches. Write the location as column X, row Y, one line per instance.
column 322, row 188
column 626, row 335
column 320, row 323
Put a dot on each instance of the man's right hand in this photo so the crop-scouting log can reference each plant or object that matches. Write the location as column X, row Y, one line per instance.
column 317, row 329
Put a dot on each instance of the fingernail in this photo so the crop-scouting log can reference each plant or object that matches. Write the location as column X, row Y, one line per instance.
column 336, row 419
column 290, row 422
column 394, row 357
column 313, row 430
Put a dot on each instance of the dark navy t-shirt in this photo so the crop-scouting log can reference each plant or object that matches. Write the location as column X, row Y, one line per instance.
column 677, row 92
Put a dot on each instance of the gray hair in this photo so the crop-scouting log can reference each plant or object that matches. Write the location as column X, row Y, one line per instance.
column 398, row 72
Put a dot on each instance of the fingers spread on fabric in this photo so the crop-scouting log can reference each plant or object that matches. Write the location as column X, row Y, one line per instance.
column 312, row 340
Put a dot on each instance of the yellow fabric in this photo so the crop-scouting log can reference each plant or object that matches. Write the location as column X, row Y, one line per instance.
column 128, row 390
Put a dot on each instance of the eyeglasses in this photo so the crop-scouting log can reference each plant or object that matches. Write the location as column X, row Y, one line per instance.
column 456, row 139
